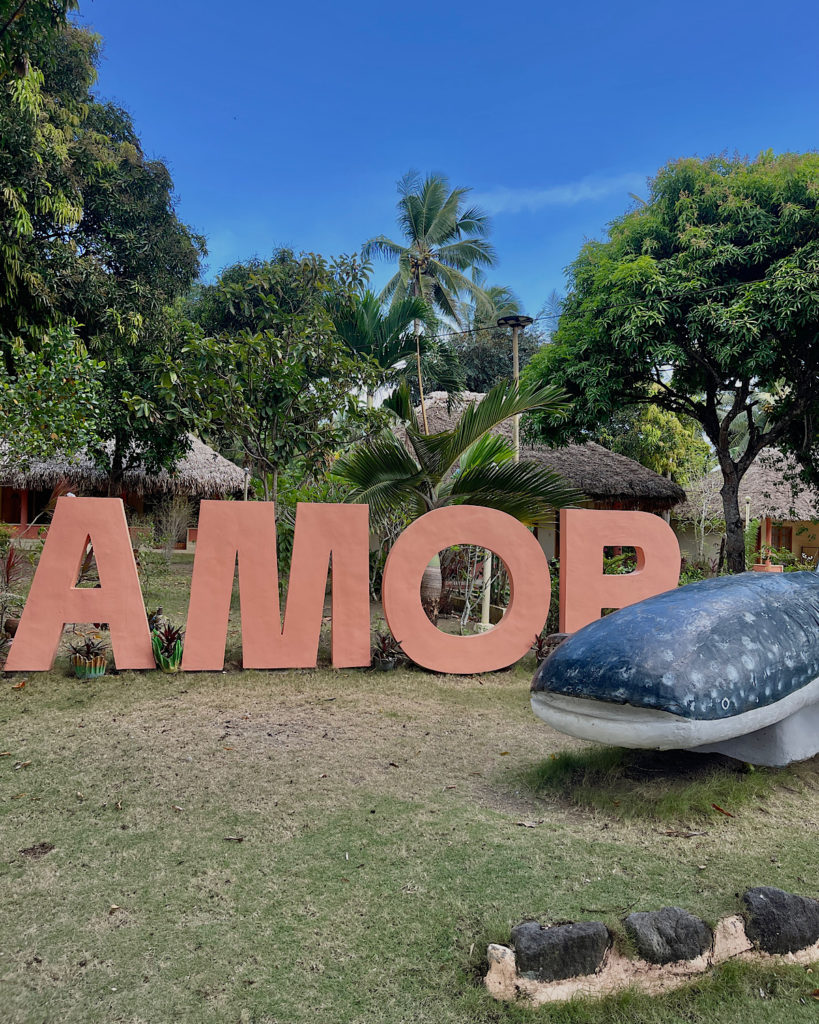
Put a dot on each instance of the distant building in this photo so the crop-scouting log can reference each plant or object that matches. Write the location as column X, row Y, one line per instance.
column 26, row 493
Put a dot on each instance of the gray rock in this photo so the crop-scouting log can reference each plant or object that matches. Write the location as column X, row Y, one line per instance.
column 563, row 951
column 663, row 936
column 779, row 922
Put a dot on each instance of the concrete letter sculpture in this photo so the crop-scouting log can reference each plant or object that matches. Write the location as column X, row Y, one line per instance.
column 729, row 665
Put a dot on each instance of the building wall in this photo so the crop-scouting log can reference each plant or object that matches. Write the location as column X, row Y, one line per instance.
column 804, row 539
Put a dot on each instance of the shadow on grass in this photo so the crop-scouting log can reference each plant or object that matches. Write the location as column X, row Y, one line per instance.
column 667, row 784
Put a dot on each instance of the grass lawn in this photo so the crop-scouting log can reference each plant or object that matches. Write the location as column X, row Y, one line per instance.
column 321, row 846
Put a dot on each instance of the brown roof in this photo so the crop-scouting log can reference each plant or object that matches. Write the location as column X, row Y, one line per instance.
column 603, row 476
column 772, row 484
column 202, row 472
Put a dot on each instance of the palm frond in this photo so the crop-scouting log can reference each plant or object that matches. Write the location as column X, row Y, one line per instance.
column 381, row 474
column 400, row 404
column 525, row 490
column 383, row 248
column 469, row 252
column 489, row 448
column 501, row 403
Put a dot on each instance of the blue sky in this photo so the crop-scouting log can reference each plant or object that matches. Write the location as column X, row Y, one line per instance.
column 290, row 123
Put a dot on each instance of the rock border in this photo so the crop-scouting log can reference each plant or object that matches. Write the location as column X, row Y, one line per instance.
column 542, row 983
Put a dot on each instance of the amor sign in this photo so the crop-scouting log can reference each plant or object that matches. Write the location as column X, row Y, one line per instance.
column 336, row 536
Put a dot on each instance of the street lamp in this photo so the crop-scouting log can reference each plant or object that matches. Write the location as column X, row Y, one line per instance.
column 517, row 321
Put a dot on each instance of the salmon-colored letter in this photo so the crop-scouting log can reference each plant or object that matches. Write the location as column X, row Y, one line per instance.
column 228, row 528
column 528, row 581
column 585, row 590
column 55, row 598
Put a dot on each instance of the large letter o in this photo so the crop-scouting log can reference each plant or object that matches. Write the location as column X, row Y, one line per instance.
column 529, row 584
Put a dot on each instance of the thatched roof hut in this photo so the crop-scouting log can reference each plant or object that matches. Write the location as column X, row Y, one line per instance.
column 771, row 483
column 201, row 473
column 607, row 479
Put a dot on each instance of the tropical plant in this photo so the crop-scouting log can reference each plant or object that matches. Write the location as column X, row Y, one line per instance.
column 372, row 332
column 385, row 649
column 467, row 464
column 443, row 243
column 167, row 641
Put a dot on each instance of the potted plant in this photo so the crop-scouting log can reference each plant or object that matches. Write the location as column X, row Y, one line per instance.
column 166, row 640
column 385, row 652
column 89, row 658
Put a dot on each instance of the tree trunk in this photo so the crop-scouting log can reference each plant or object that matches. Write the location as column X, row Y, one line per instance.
column 420, row 378
column 734, row 531
column 117, row 471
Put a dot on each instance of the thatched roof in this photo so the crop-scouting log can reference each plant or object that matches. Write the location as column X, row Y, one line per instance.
column 603, row 476
column 201, row 473
column 771, row 483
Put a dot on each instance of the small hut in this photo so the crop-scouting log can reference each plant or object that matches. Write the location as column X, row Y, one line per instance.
column 609, row 480
column 770, row 493
column 27, row 492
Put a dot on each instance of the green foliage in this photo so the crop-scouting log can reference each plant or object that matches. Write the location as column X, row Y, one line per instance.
column 273, row 379
column 465, row 465
column 50, row 400
column 378, row 334
column 694, row 571
column 670, row 444
column 701, row 298
column 91, row 239
column 485, row 356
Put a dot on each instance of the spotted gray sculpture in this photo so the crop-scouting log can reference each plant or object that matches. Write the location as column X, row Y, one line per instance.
column 728, row 665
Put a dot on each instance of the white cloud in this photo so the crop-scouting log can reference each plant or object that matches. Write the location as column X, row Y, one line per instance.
column 515, row 200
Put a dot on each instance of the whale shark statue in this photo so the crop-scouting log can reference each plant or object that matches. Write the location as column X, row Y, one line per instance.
column 728, row 665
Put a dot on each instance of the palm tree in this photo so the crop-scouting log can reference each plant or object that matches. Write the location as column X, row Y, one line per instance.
column 369, row 330
column 466, row 465
column 484, row 310
column 442, row 242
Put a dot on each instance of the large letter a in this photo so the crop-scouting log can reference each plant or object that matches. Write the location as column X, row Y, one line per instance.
column 55, row 598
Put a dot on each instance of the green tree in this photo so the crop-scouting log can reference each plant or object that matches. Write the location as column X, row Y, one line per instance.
column 52, row 395
column 701, row 297
column 41, row 109
column 443, row 244
column 110, row 262
column 273, row 379
column 670, row 444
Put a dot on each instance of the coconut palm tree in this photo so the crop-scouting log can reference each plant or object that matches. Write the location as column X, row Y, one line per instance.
column 466, row 465
column 443, row 242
